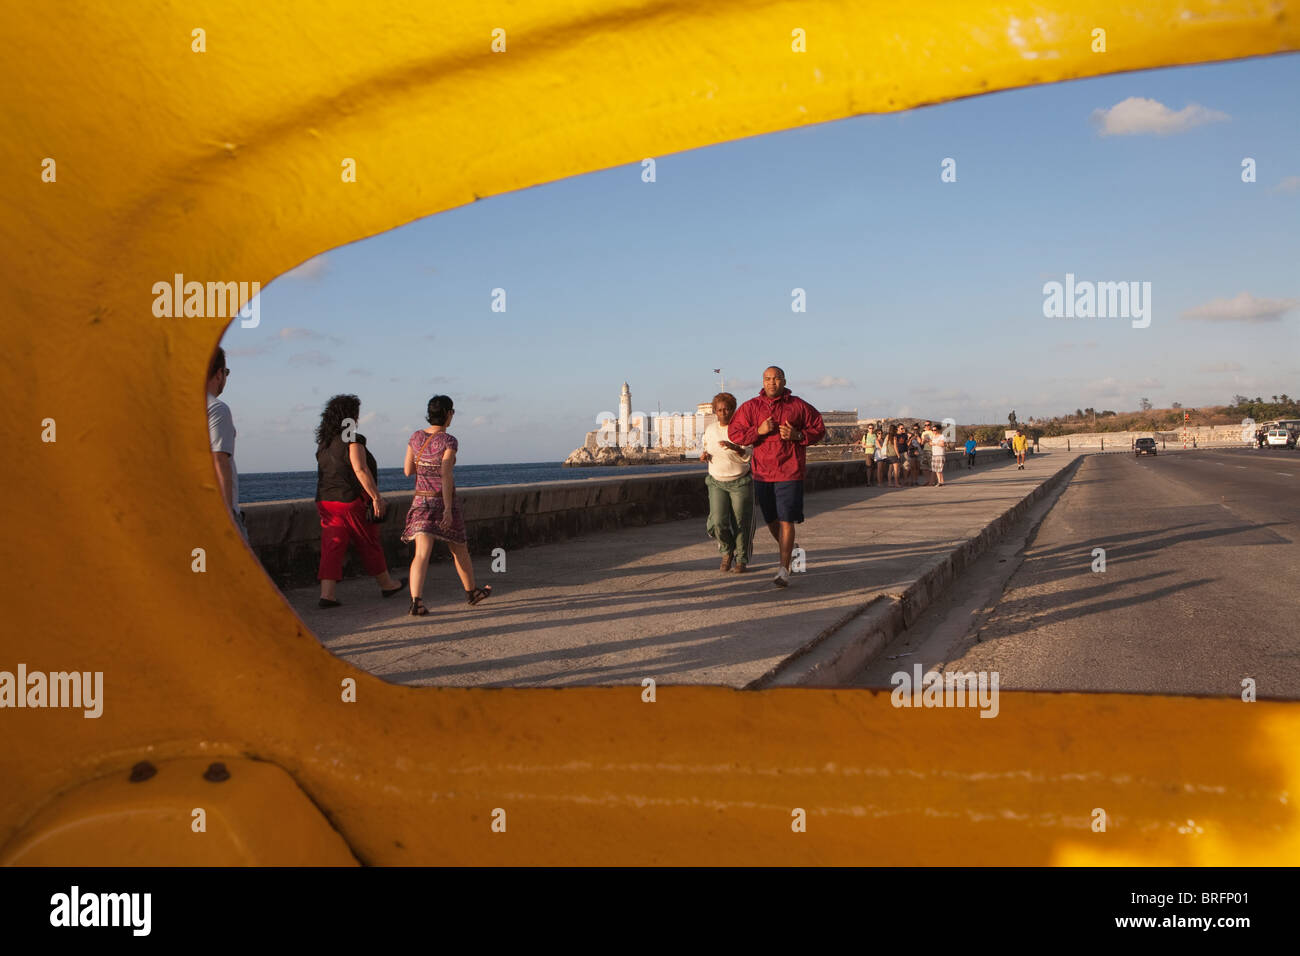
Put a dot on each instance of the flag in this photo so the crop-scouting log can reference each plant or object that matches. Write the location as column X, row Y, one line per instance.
column 718, row 370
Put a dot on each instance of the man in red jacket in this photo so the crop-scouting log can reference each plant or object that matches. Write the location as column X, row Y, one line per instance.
column 779, row 426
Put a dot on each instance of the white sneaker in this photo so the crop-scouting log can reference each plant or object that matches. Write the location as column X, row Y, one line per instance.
column 782, row 578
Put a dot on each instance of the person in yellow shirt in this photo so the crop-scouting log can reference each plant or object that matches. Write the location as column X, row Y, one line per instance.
column 869, row 448
column 1018, row 445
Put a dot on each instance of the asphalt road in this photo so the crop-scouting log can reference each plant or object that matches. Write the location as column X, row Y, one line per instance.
column 1201, row 586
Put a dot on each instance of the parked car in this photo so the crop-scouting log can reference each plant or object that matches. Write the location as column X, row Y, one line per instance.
column 1144, row 446
column 1280, row 438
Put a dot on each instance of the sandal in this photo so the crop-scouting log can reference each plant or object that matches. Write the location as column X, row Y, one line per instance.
column 326, row 602
column 417, row 608
column 478, row 595
column 389, row 593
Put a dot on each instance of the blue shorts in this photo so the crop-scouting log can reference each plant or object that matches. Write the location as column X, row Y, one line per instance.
column 779, row 500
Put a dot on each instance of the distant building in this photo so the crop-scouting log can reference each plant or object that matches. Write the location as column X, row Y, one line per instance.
column 639, row 430
column 840, row 418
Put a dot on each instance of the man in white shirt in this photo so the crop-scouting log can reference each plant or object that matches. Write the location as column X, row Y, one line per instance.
column 221, row 434
column 731, row 489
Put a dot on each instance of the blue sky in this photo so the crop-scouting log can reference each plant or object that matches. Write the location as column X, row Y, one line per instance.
column 923, row 297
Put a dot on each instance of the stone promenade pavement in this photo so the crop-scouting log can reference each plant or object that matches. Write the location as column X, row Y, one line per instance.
column 619, row 606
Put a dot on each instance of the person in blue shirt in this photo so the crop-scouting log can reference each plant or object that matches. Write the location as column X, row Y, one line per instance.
column 970, row 453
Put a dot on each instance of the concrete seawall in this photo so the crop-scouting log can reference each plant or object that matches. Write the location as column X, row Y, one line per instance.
column 285, row 535
column 1204, row 435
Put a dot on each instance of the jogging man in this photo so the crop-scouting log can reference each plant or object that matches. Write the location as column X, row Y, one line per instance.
column 780, row 426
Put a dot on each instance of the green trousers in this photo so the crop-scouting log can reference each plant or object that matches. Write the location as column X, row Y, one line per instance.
column 731, row 516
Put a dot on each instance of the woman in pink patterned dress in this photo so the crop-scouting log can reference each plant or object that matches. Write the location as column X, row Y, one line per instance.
column 435, row 510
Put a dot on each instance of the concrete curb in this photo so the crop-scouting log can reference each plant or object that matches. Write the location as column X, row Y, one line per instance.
column 851, row 643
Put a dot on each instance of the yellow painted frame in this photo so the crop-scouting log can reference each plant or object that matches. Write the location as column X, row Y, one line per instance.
column 225, row 164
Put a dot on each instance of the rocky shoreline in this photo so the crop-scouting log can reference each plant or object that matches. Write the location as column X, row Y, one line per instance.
column 586, row 457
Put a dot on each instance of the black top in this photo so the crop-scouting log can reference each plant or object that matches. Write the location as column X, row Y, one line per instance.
column 335, row 479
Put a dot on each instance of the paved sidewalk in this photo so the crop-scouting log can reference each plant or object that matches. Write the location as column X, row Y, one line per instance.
column 617, row 607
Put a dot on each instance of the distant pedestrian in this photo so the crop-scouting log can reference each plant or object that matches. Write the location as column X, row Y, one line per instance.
column 970, row 452
column 1018, row 444
column 435, row 510
column 780, row 427
column 881, row 455
column 869, row 450
column 938, row 453
column 731, row 489
column 897, row 454
column 221, row 436
column 923, row 436
column 914, row 455
column 347, row 499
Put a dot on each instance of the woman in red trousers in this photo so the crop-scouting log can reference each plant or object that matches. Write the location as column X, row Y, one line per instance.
column 347, row 495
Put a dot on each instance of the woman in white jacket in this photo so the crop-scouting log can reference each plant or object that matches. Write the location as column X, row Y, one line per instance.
column 731, row 489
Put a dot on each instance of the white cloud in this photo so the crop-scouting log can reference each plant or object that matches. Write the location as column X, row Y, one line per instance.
column 1291, row 184
column 1106, row 386
column 951, row 396
column 314, row 357
column 1137, row 115
column 1221, row 367
column 833, row 381
column 311, row 270
column 249, row 352
column 1243, row 307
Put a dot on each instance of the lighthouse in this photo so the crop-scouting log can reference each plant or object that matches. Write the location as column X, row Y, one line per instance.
column 624, row 415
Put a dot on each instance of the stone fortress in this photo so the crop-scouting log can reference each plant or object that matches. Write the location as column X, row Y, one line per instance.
column 637, row 438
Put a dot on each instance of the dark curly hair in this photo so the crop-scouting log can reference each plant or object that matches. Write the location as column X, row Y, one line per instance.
column 218, row 361
column 331, row 418
column 440, row 407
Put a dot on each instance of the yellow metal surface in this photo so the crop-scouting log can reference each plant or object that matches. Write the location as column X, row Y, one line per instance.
column 226, row 165
column 182, row 813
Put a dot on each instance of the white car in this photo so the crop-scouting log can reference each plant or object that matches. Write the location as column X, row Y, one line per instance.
column 1279, row 438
